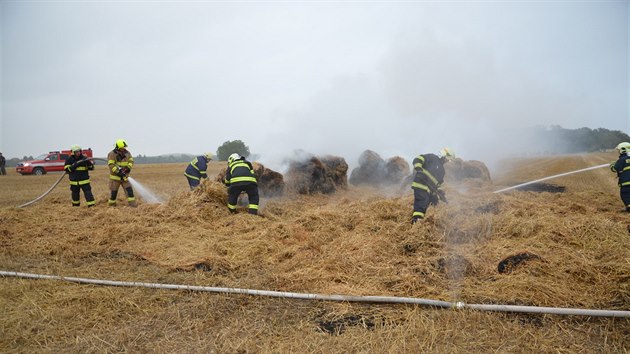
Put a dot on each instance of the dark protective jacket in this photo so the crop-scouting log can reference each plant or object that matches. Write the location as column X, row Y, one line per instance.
column 197, row 168
column 239, row 172
column 429, row 173
column 77, row 168
column 3, row 161
column 622, row 168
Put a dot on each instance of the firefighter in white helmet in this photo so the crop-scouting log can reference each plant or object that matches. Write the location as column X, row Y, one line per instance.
column 197, row 169
column 427, row 182
column 622, row 168
column 120, row 163
column 77, row 166
column 239, row 178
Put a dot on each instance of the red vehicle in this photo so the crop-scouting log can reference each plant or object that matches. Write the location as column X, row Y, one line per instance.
column 50, row 162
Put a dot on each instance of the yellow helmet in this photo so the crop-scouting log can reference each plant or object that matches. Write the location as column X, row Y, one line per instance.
column 75, row 148
column 447, row 153
column 208, row 156
column 120, row 144
column 623, row 148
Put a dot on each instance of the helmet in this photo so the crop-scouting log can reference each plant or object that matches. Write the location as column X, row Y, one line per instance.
column 120, row 144
column 623, row 148
column 233, row 157
column 75, row 148
column 447, row 153
column 208, row 156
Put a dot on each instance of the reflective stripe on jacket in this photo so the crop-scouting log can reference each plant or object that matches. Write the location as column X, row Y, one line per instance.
column 239, row 172
column 197, row 168
column 116, row 161
column 429, row 172
column 78, row 174
column 622, row 168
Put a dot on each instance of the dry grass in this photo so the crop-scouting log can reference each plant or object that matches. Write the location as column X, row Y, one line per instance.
column 354, row 242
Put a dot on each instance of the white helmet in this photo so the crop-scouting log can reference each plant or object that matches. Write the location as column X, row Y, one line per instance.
column 75, row 148
column 208, row 156
column 233, row 157
column 623, row 148
column 447, row 153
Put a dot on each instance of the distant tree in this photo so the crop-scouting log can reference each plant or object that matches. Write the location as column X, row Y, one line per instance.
column 230, row 147
column 579, row 140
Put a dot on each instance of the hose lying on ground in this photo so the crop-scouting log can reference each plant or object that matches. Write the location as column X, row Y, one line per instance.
column 53, row 186
column 45, row 194
column 342, row 298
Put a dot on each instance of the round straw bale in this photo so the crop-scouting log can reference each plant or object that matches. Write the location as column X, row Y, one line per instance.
column 459, row 170
column 337, row 170
column 396, row 169
column 371, row 169
column 314, row 176
column 270, row 182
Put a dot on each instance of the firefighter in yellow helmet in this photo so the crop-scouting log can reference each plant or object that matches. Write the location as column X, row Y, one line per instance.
column 197, row 169
column 77, row 166
column 120, row 163
column 622, row 168
column 427, row 182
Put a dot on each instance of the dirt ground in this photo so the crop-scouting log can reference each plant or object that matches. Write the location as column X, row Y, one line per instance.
column 569, row 244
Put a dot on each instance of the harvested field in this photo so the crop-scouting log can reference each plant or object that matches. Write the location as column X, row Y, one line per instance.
column 573, row 249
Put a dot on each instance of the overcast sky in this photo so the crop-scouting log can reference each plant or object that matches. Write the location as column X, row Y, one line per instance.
column 335, row 77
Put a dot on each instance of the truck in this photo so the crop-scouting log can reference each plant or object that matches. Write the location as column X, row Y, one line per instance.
column 50, row 162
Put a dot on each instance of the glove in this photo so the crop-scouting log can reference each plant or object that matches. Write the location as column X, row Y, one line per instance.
column 433, row 199
column 121, row 173
column 126, row 170
column 442, row 196
column 74, row 165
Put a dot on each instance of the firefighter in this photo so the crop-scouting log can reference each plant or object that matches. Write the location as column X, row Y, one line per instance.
column 197, row 169
column 3, row 162
column 622, row 168
column 77, row 166
column 239, row 178
column 428, row 180
column 120, row 163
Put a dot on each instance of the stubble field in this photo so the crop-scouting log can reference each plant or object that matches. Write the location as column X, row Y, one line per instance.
column 355, row 242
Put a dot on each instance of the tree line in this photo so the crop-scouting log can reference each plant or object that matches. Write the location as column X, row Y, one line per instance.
column 554, row 140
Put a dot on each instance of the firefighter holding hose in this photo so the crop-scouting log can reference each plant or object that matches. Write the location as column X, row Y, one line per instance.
column 77, row 166
column 622, row 168
column 120, row 163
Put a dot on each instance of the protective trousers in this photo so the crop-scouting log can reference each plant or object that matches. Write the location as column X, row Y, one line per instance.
column 193, row 183
column 76, row 194
column 252, row 197
column 114, row 186
column 421, row 202
column 624, row 192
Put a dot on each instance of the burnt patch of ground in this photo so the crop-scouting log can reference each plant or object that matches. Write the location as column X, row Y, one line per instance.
column 542, row 187
column 510, row 263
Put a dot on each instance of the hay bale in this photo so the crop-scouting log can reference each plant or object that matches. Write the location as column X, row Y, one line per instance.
column 315, row 175
column 371, row 169
column 270, row 182
column 337, row 170
column 459, row 170
column 396, row 169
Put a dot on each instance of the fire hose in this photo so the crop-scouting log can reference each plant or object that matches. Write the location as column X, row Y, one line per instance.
column 459, row 305
column 55, row 185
